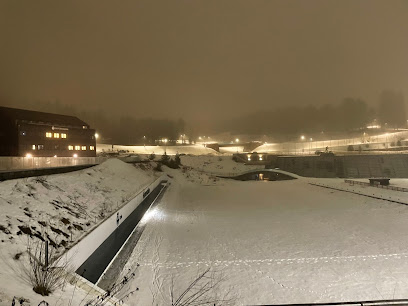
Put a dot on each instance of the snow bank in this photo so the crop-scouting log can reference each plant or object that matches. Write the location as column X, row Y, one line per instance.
column 61, row 208
column 217, row 165
column 171, row 150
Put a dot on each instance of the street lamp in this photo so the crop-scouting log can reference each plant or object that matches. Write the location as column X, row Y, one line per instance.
column 310, row 146
column 165, row 146
column 302, row 138
column 144, row 141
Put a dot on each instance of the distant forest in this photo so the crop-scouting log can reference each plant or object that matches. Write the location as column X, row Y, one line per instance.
column 349, row 115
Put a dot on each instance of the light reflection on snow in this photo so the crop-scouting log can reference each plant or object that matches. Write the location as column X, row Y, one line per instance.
column 153, row 214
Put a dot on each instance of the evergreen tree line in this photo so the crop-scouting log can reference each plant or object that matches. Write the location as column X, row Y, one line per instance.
column 350, row 114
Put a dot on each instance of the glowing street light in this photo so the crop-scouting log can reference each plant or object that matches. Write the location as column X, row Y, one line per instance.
column 165, row 145
column 301, row 138
column 29, row 155
column 236, row 140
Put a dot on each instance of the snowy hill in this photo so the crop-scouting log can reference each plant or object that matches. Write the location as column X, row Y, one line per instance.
column 61, row 208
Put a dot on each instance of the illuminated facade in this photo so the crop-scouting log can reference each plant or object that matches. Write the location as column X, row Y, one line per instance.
column 31, row 134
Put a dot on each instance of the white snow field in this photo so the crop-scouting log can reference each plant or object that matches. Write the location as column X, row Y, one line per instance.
column 222, row 165
column 63, row 208
column 170, row 150
column 273, row 242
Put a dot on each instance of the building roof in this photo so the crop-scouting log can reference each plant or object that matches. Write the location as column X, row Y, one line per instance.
column 41, row 117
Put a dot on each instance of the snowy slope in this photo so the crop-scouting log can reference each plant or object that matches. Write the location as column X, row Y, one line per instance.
column 62, row 208
column 170, row 150
column 222, row 165
column 274, row 242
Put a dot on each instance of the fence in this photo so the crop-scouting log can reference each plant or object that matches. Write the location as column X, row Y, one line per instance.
column 351, row 182
column 22, row 163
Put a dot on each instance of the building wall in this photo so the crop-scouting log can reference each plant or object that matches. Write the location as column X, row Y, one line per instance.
column 8, row 138
column 46, row 140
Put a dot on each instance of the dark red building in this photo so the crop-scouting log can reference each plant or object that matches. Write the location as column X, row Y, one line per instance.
column 30, row 133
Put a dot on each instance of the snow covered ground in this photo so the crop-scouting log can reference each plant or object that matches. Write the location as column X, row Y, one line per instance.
column 170, row 150
column 222, row 165
column 273, row 242
column 265, row 242
column 61, row 208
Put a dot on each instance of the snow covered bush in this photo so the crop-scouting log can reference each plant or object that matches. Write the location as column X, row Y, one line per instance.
column 43, row 270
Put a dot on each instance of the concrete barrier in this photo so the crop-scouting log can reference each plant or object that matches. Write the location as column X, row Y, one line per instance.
column 16, row 174
column 9, row 163
column 85, row 247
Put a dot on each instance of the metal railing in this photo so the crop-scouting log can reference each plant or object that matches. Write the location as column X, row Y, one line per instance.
column 396, row 188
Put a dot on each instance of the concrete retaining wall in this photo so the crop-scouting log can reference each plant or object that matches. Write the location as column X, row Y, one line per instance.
column 80, row 252
column 353, row 166
column 11, row 175
column 8, row 163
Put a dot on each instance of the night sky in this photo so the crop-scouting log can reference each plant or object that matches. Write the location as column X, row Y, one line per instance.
column 200, row 60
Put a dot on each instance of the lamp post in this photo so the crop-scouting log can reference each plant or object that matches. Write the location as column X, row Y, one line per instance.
column 144, row 142
column 165, row 146
column 302, row 138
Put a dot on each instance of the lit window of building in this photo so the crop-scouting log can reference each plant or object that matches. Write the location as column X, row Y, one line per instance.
column 56, row 135
column 48, row 134
column 63, row 135
column 83, row 148
column 40, row 147
column 33, row 147
column 91, row 148
column 70, row 148
column 77, row 148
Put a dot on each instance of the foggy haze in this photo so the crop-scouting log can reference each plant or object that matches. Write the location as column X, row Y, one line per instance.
column 203, row 61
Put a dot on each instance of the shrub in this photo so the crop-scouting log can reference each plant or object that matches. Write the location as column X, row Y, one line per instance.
column 43, row 270
column 165, row 158
column 350, row 148
column 158, row 167
column 177, row 160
